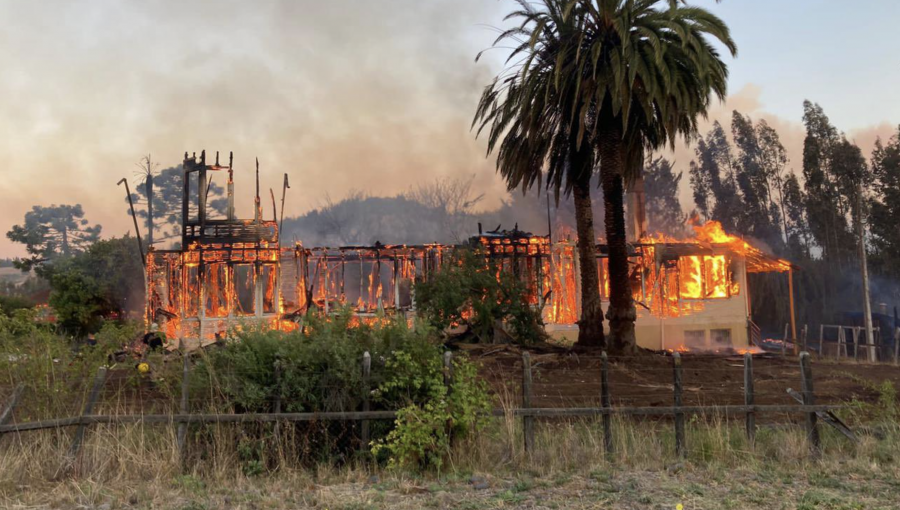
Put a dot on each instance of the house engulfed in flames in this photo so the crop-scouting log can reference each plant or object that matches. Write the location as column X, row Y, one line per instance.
column 689, row 294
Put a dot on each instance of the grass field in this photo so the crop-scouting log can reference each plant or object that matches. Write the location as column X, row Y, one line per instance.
column 133, row 467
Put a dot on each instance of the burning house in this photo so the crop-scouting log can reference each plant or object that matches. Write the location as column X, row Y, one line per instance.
column 227, row 271
column 689, row 293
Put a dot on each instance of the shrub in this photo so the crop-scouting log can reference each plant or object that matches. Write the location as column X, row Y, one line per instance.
column 320, row 371
column 432, row 413
column 468, row 290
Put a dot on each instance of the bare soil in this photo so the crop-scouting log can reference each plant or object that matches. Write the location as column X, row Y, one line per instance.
column 566, row 378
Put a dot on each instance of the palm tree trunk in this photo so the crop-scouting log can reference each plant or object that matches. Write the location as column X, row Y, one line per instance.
column 590, row 325
column 621, row 313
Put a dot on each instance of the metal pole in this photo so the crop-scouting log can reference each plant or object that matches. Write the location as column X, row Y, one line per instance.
column 867, row 305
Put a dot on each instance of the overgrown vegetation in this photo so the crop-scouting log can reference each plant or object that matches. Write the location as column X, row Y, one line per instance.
column 319, row 369
column 470, row 290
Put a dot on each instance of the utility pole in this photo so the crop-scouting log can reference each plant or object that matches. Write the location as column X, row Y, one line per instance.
column 867, row 305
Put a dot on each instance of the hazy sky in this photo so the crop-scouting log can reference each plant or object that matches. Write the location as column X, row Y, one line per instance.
column 372, row 95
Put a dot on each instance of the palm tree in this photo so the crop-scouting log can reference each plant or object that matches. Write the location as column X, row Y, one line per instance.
column 537, row 126
column 652, row 70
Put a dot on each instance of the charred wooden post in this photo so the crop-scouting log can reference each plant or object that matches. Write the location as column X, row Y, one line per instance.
column 679, row 415
column 748, row 398
column 137, row 230
column 527, row 421
column 605, row 403
column 809, row 399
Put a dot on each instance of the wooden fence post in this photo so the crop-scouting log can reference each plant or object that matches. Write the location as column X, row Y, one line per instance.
column 821, row 340
column 812, row 429
column 785, row 339
column 897, row 346
column 855, row 343
column 276, row 407
column 277, row 404
column 679, row 416
column 527, row 421
column 366, row 374
column 606, row 404
column 7, row 412
column 99, row 379
column 448, row 369
column 748, row 398
column 182, row 426
column 803, row 334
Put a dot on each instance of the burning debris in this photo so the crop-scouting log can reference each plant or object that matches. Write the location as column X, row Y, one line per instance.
column 691, row 294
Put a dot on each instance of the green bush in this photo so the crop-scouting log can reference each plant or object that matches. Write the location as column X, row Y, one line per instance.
column 432, row 413
column 55, row 369
column 320, row 371
column 469, row 290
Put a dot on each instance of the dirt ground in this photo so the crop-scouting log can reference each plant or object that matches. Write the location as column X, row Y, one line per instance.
column 566, row 378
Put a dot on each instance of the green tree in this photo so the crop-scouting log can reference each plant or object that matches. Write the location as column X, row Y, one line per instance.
column 650, row 71
column 615, row 76
column 885, row 207
column 106, row 280
column 661, row 183
column 756, row 165
column 714, row 180
column 537, row 124
column 49, row 233
column 164, row 211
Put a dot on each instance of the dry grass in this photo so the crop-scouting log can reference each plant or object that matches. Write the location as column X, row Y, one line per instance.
column 138, row 466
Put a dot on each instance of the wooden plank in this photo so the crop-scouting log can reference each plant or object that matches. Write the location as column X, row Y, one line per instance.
column 679, row 416
column 828, row 417
column 535, row 412
column 750, row 417
column 812, row 429
column 527, row 421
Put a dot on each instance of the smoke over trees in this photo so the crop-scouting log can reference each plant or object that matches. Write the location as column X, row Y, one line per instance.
column 744, row 183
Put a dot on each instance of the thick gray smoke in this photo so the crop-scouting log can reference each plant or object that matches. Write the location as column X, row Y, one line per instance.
column 344, row 94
